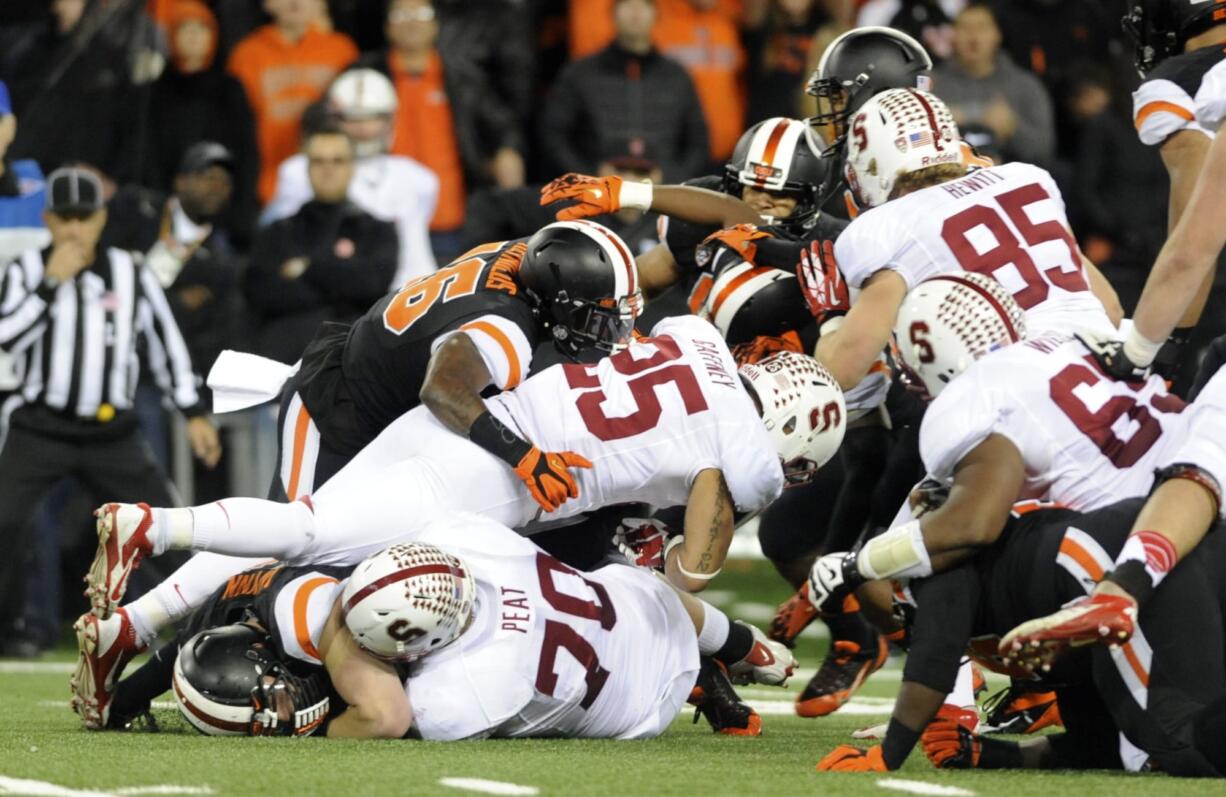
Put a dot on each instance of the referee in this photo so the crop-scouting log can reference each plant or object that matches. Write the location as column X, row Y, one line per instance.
column 71, row 316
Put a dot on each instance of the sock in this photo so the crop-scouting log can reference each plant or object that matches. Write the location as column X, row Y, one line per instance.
column 715, row 627
column 238, row 527
column 963, row 695
column 184, row 590
column 148, row 616
column 852, row 628
column 171, row 530
column 739, row 644
column 134, row 693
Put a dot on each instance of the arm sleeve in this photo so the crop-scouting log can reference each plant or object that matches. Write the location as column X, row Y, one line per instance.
column 23, row 312
column 301, row 610
column 178, row 379
column 364, row 277
column 959, row 419
column 1211, row 98
column 861, row 251
column 503, row 345
column 1160, row 109
column 944, row 621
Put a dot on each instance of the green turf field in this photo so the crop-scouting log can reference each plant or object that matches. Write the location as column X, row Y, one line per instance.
column 43, row 751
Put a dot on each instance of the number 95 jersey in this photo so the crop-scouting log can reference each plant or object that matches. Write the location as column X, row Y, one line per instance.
column 650, row 418
column 1085, row 439
column 1006, row 222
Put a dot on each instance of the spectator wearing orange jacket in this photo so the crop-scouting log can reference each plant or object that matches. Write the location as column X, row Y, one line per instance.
column 284, row 67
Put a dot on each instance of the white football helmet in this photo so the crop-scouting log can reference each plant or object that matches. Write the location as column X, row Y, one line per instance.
column 365, row 100
column 897, row 132
column 802, row 407
column 408, row 600
column 949, row 321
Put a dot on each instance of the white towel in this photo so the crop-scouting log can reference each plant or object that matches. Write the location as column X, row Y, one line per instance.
column 240, row 380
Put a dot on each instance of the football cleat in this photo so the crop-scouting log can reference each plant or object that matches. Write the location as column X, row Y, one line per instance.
column 844, row 670
column 1019, row 709
column 123, row 539
column 793, row 616
column 769, row 662
column 105, row 648
column 715, row 700
column 1095, row 618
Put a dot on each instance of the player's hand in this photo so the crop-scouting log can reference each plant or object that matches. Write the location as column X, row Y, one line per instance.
column 67, row 260
column 763, row 346
column 1110, row 355
column 739, row 239
column 948, row 743
column 593, row 196
column 548, row 478
column 642, row 541
column 827, row 583
column 848, row 758
column 206, row 443
column 821, row 282
column 286, row 705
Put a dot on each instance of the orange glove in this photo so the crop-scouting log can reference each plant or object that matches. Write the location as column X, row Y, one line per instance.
column 594, row 196
column 764, row 346
column 739, row 239
column 847, row 758
column 947, row 741
column 821, row 283
column 547, row 477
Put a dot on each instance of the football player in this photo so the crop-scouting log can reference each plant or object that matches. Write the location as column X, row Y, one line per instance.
column 1150, row 703
column 669, row 421
column 1178, row 53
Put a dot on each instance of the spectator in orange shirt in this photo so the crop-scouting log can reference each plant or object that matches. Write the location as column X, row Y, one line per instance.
column 450, row 119
column 705, row 40
column 284, row 67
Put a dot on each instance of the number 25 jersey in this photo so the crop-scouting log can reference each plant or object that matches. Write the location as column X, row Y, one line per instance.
column 1085, row 439
column 650, row 418
column 1006, row 222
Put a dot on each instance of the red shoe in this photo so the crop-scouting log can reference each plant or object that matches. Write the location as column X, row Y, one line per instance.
column 844, row 670
column 106, row 647
column 123, row 538
column 769, row 662
column 792, row 617
column 1095, row 618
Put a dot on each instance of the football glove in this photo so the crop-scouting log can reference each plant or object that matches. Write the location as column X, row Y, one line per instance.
column 642, row 541
column 739, row 239
column 547, row 476
column 828, row 582
column 594, row 196
column 821, row 282
column 286, row 705
column 848, row 758
column 1110, row 355
column 763, row 346
column 947, row 741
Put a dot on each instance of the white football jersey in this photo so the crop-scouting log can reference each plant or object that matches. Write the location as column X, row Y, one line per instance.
column 1007, row 222
column 552, row 651
column 1211, row 99
column 1086, row 440
column 650, row 418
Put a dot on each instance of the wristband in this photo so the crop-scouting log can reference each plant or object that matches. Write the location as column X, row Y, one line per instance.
column 831, row 324
column 1134, row 579
column 898, row 744
column 496, row 438
column 673, row 543
column 1139, row 349
column 635, row 195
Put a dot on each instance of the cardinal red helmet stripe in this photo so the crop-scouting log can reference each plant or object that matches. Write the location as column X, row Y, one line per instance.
column 989, row 298
column 400, row 575
column 772, row 143
column 932, row 119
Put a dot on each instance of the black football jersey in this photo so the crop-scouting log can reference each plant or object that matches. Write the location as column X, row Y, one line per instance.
column 1166, row 101
column 355, row 381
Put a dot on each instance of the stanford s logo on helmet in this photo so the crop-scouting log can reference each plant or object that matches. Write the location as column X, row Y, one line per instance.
column 895, row 133
column 1161, row 28
column 949, row 321
column 585, row 283
column 802, row 407
column 776, row 155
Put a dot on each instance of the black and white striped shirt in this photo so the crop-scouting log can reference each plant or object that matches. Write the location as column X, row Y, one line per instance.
column 76, row 344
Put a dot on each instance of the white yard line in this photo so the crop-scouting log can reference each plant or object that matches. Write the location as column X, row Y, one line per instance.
column 487, row 786
column 154, row 704
column 40, row 788
column 923, row 787
column 163, row 789
column 855, row 706
column 35, row 667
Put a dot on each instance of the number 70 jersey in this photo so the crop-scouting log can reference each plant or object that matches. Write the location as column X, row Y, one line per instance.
column 650, row 418
column 1006, row 222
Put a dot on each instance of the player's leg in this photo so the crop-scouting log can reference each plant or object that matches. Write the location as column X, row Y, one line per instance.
column 748, row 654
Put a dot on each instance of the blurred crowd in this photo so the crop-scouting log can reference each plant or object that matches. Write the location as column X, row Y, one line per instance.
column 281, row 163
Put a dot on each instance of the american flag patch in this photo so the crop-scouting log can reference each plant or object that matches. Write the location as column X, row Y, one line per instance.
column 921, row 139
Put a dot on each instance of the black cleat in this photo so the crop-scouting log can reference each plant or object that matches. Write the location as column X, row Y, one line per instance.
column 714, row 699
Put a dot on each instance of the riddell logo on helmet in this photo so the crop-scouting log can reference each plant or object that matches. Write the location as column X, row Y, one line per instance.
column 937, row 160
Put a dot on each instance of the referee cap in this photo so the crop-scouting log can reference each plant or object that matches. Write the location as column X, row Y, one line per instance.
column 72, row 190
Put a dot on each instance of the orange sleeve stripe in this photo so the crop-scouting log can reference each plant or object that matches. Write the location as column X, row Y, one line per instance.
column 513, row 373
column 301, row 424
column 302, row 631
column 1156, row 106
column 1081, row 556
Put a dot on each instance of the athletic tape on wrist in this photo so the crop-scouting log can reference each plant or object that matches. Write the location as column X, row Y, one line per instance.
column 635, row 195
column 898, row 553
column 1153, row 550
column 673, row 543
column 1140, row 349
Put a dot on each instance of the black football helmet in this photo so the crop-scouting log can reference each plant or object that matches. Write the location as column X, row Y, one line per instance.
column 779, row 155
column 229, row 682
column 585, row 284
column 860, row 63
column 1161, row 28
column 746, row 301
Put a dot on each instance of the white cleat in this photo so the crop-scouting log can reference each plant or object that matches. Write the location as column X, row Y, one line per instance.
column 123, row 539
column 769, row 662
column 105, row 648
